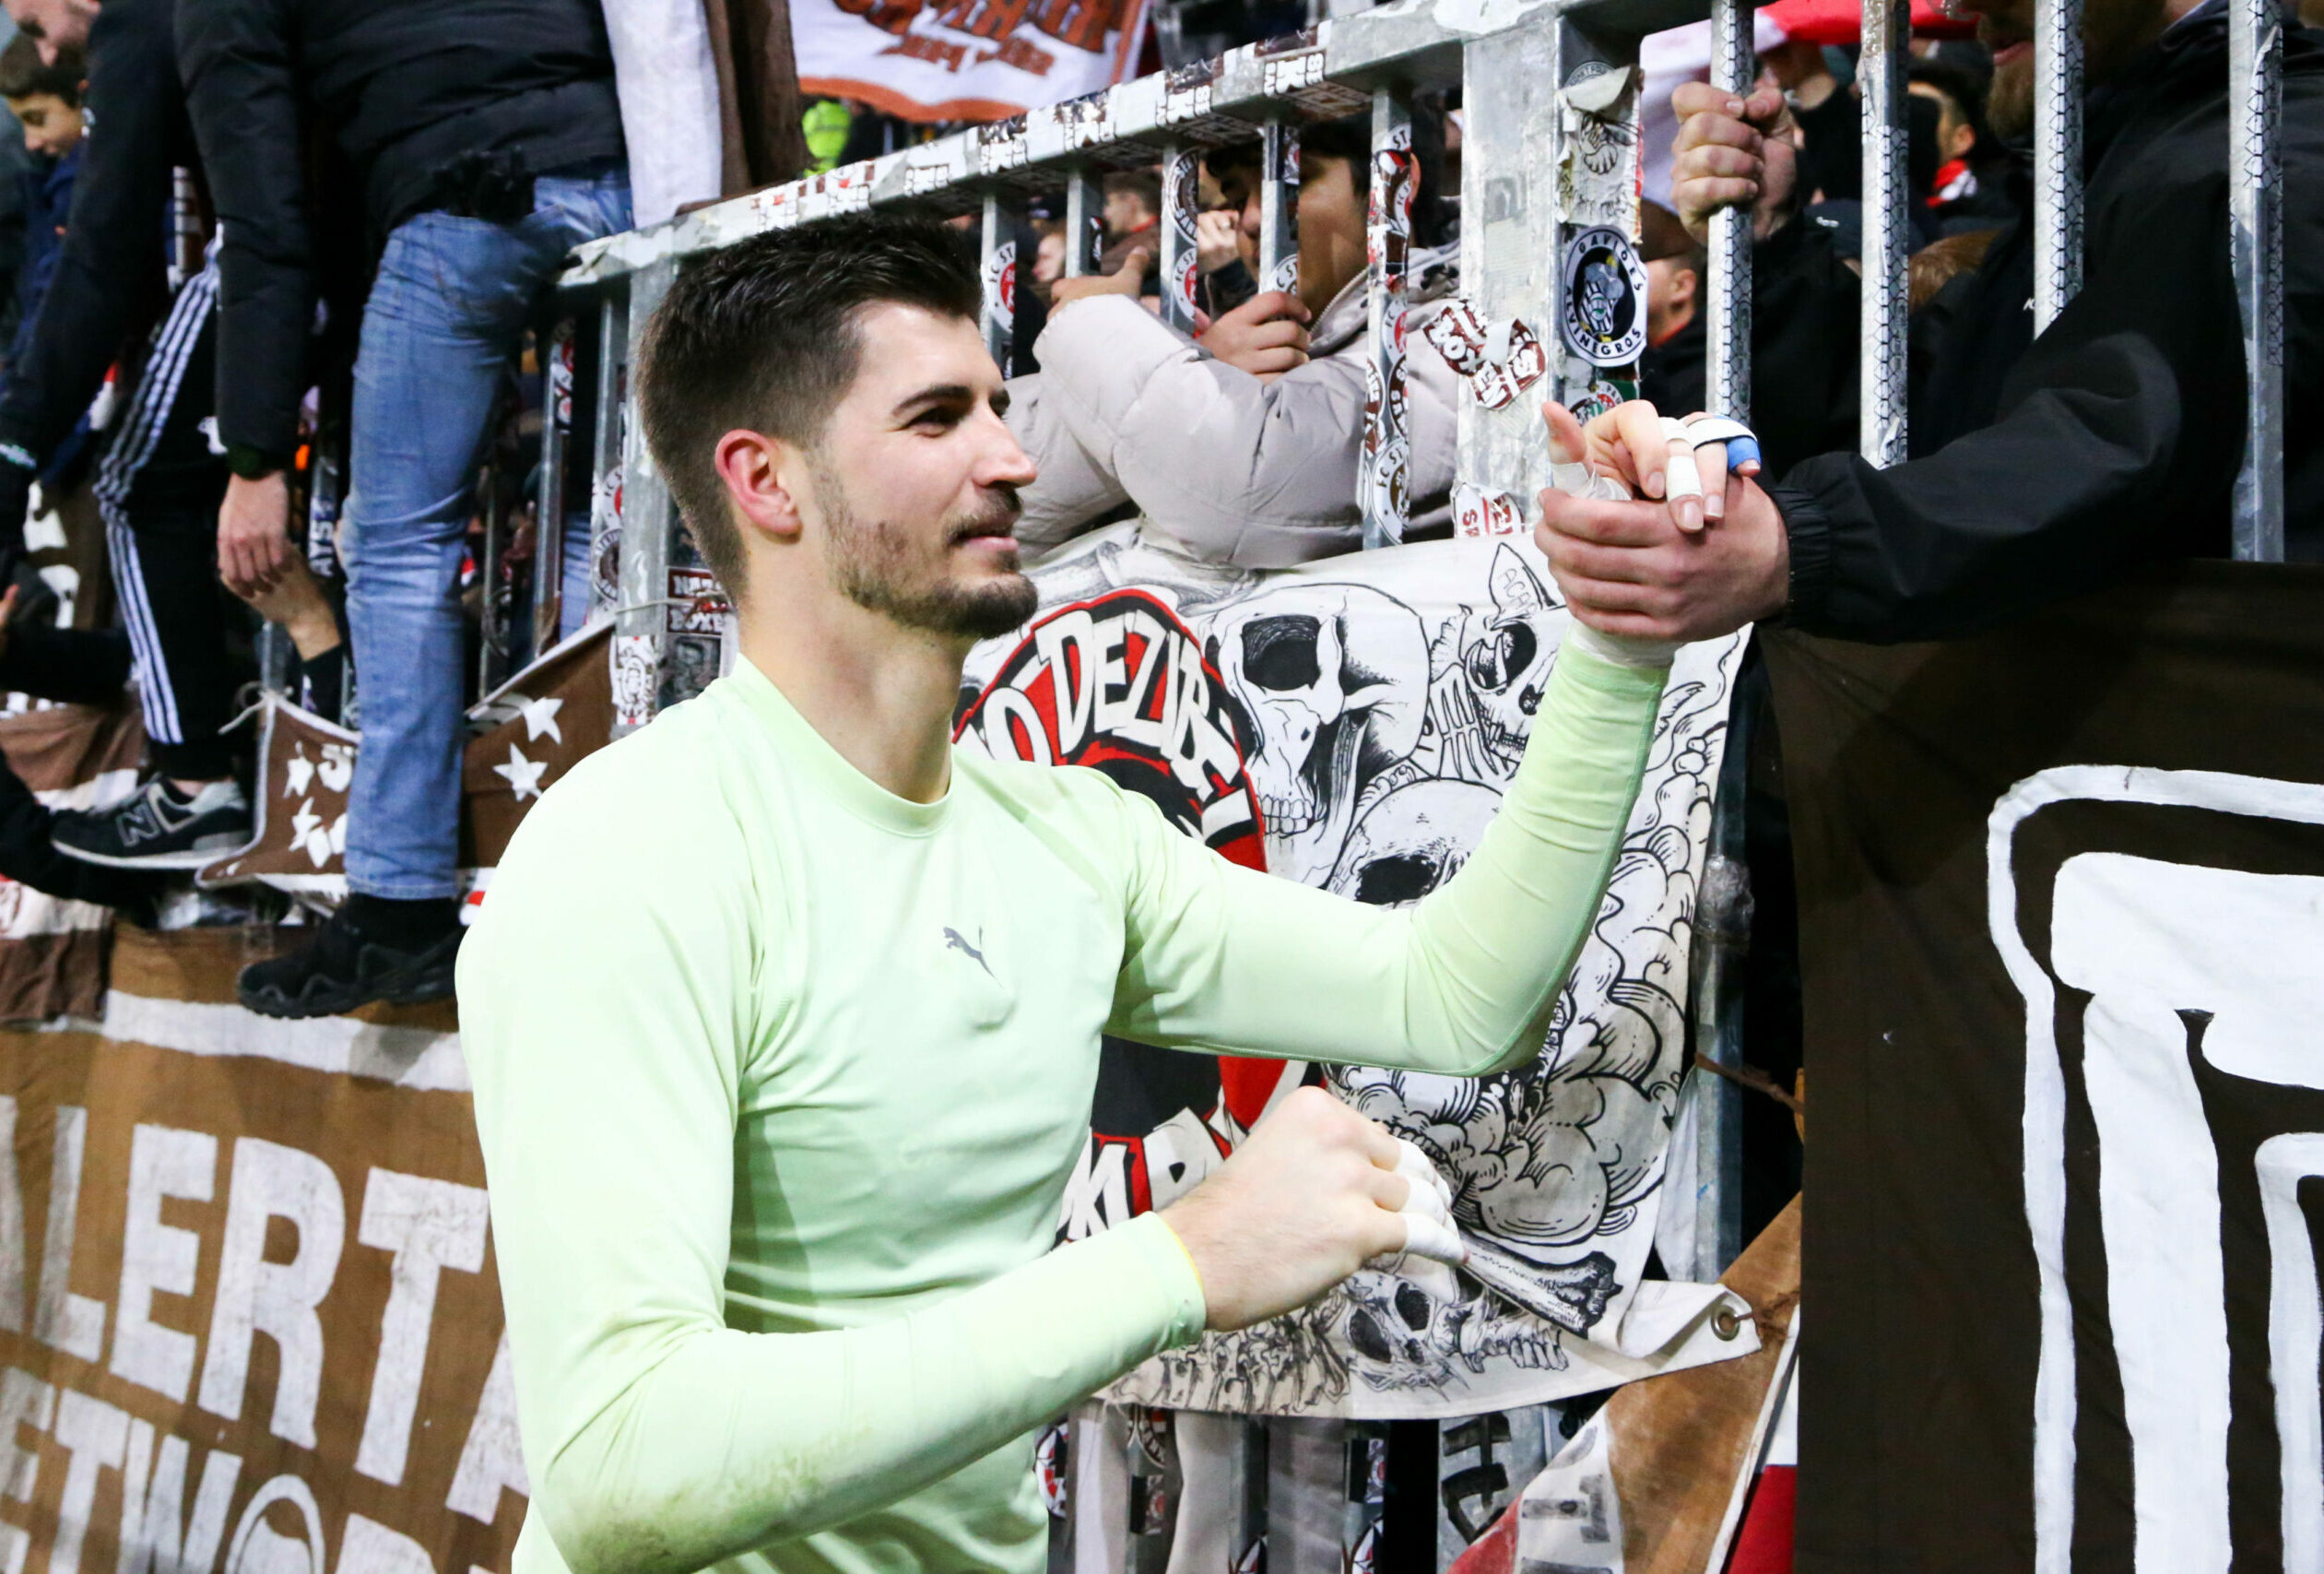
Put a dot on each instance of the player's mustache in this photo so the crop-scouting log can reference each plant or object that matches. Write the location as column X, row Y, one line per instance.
column 996, row 517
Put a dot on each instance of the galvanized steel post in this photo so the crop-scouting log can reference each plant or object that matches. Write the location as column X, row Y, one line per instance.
column 2254, row 100
column 998, row 273
column 1887, row 232
column 641, row 620
column 1729, row 377
column 1181, row 180
column 2058, row 104
column 1279, row 205
column 1388, row 450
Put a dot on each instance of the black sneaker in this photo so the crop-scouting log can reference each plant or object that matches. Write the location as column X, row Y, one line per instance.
column 344, row 967
column 156, row 829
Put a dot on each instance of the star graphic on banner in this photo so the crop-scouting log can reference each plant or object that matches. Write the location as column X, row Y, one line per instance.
column 540, row 715
column 523, row 775
column 299, row 775
column 309, row 836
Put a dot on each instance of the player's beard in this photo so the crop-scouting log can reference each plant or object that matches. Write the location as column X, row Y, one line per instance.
column 877, row 566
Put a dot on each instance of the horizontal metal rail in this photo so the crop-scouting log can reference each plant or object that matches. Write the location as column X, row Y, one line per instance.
column 1324, row 73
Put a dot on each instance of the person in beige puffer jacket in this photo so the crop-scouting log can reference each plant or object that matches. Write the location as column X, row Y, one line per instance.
column 1242, row 448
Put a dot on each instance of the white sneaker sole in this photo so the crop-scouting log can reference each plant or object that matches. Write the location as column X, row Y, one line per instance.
column 193, row 857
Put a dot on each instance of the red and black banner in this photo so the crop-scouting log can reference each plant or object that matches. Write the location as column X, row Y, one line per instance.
column 2062, row 937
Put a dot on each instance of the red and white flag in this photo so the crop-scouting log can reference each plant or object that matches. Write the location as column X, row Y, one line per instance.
column 963, row 59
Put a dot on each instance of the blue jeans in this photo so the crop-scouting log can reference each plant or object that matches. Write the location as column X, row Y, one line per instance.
column 446, row 316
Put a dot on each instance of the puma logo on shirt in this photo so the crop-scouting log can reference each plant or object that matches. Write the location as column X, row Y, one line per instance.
column 953, row 940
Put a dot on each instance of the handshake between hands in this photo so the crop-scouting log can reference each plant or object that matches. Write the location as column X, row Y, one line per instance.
column 1640, row 552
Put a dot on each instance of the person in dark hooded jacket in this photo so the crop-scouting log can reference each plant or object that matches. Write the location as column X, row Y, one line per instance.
column 2040, row 466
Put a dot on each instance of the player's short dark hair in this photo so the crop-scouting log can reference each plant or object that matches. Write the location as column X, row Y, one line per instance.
column 764, row 336
column 23, row 73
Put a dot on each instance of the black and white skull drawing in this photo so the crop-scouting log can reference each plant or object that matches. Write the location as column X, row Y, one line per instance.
column 1330, row 679
column 1509, row 653
column 1411, row 840
column 1405, row 1338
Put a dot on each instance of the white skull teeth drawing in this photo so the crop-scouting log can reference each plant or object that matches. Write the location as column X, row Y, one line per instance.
column 1288, row 675
column 1417, row 1338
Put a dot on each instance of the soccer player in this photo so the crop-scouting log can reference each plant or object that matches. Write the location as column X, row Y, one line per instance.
column 784, row 1015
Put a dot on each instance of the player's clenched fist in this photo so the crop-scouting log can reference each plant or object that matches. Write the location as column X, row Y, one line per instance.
column 1313, row 1191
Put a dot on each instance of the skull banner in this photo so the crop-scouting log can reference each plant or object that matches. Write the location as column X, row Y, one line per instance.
column 1352, row 725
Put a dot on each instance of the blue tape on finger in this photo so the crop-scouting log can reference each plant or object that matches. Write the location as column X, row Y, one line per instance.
column 1742, row 451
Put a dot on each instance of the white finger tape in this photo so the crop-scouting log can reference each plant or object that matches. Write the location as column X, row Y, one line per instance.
column 1681, row 479
column 1417, row 1167
column 1715, row 428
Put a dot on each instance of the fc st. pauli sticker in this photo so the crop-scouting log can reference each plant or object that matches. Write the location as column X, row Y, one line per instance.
column 1604, row 319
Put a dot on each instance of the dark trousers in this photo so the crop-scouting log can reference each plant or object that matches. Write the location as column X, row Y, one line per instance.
column 159, row 487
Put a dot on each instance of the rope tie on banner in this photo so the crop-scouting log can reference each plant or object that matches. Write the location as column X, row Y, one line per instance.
column 1751, row 1077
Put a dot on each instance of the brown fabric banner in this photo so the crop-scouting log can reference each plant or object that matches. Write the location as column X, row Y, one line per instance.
column 249, row 1318
column 52, row 950
column 2062, row 934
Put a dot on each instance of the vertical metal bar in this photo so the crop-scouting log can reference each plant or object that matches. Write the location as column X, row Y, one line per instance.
column 493, row 620
column 326, row 489
column 2254, row 100
column 1367, row 1493
column 1249, row 1532
column 548, row 509
column 1880, row 74
column 999, row 274
column 1387, row 455
column 1515, row 145
column 1279, row 205
column 2056, row 158
column 605, row 469
column 1728, row 390
column 640, row 633
column 1182, row 181
column 1084, row 224
column 1722, row 938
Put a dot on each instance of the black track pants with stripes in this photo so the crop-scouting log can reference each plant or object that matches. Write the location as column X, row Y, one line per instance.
column 159, row 487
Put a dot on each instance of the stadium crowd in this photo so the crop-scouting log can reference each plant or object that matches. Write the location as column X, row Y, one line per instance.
column 253, row 245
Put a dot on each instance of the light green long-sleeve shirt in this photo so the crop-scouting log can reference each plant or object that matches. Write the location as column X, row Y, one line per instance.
column 781, row 1079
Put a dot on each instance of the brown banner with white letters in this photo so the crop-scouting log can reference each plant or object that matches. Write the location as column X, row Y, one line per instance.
column 249, row 1317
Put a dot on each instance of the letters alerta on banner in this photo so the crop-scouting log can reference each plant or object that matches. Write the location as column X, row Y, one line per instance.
column 964, row 59
column 250, row 1321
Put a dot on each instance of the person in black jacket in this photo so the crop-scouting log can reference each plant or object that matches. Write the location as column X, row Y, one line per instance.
column 487, row 144
column 159, row 479
column 2040, row 466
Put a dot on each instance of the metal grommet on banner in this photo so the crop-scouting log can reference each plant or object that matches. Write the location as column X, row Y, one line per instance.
column 1727, row 1324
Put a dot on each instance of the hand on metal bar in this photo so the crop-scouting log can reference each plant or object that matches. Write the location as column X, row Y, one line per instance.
column 1733, row 152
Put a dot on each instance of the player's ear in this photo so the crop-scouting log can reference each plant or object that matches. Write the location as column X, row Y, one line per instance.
column 761, row 475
